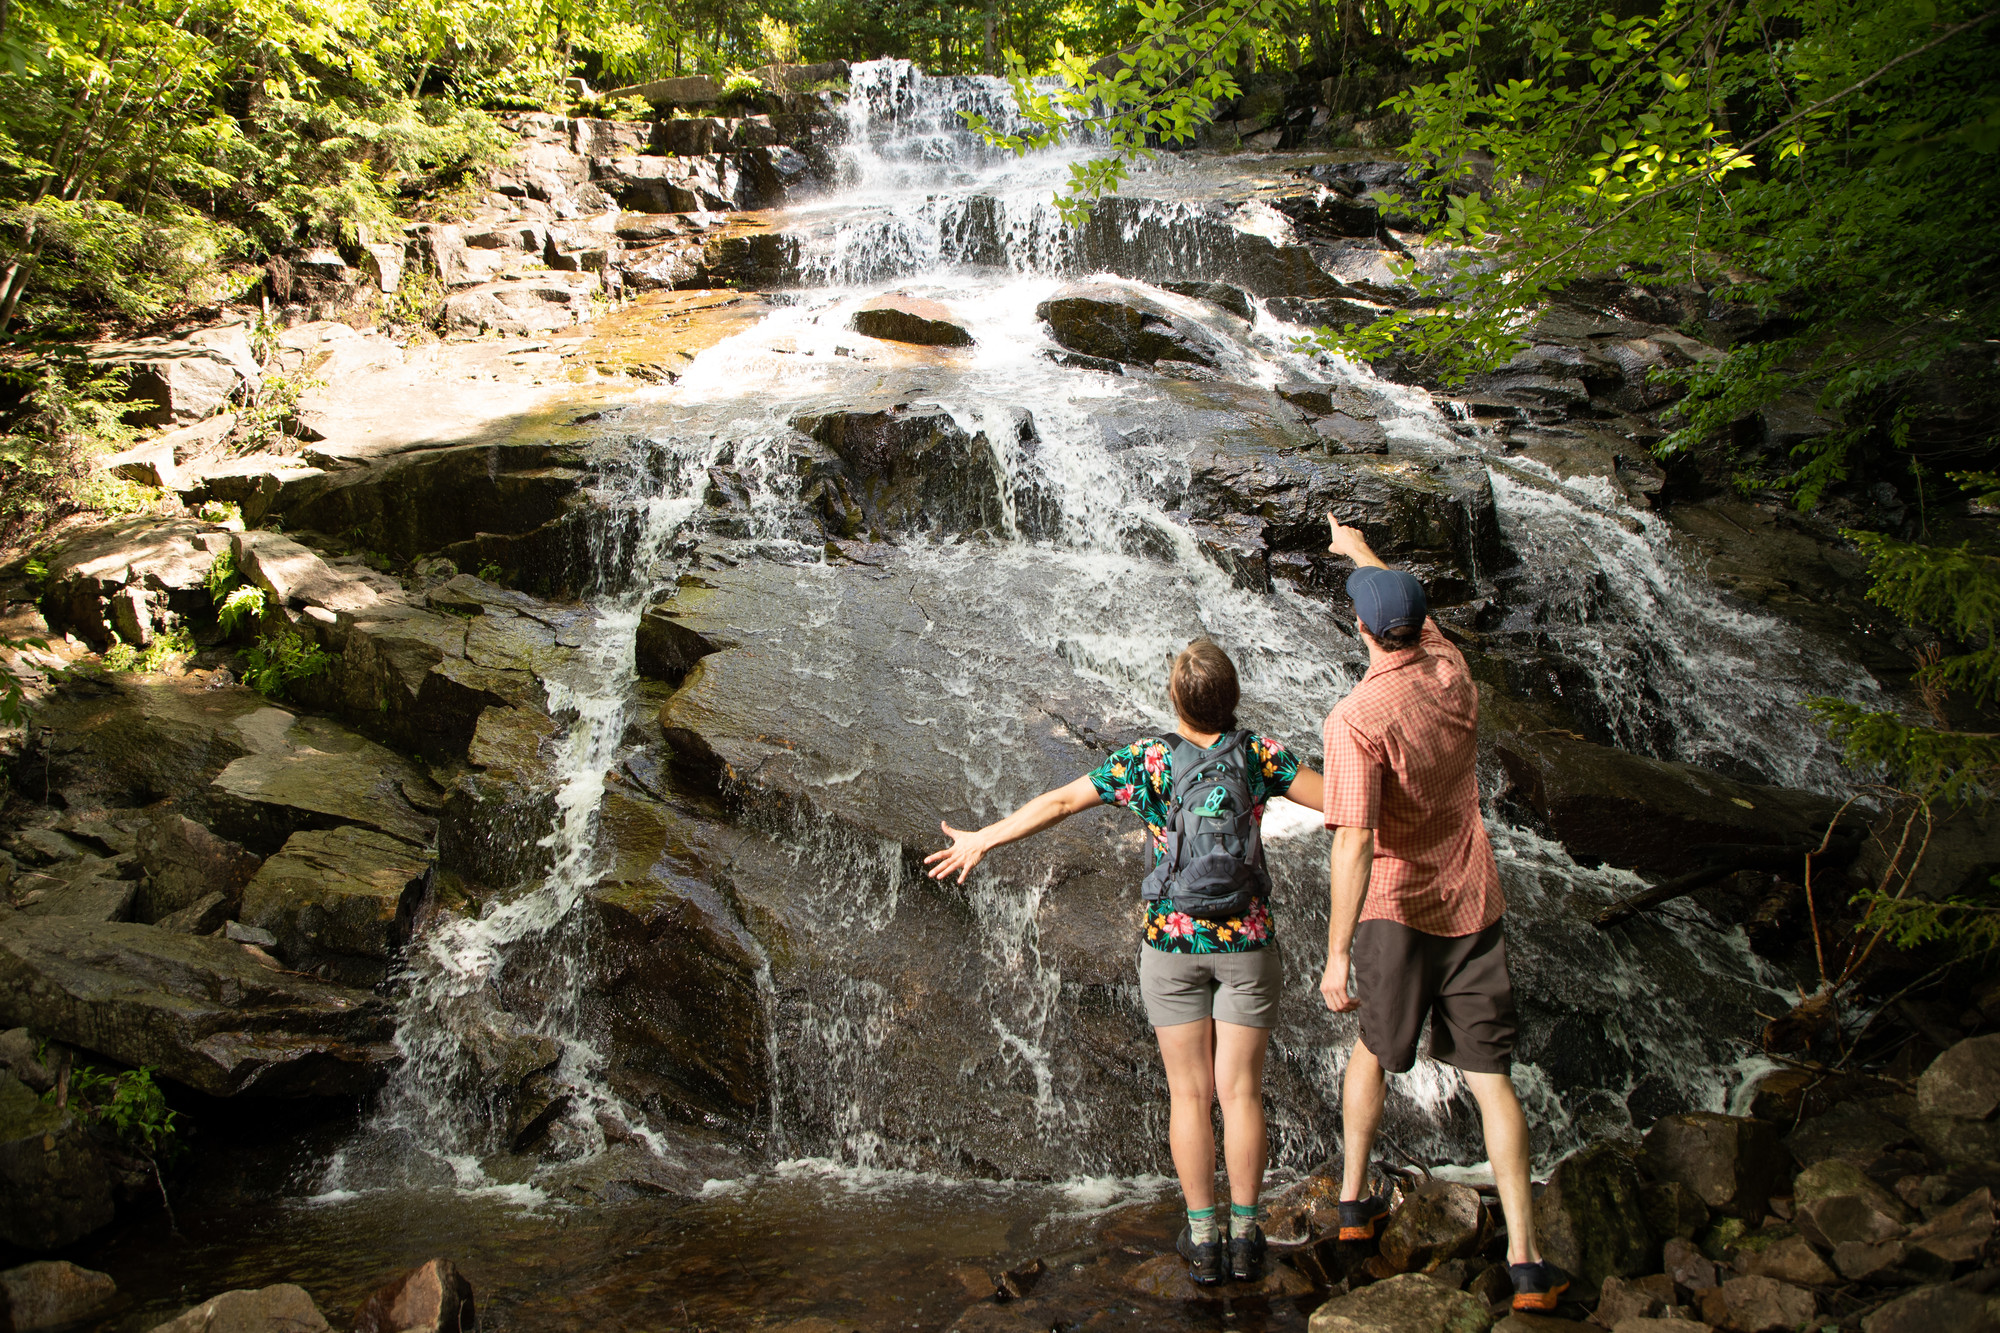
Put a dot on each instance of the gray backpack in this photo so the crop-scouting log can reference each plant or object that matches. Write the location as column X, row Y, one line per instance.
column 1214, row 861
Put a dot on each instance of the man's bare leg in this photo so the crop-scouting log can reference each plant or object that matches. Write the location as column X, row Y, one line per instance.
column 1507, row 1149
column 1362, row 1094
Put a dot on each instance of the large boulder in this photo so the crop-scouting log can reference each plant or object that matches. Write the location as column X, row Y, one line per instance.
column 522, row 307
column 202, row 1011
column 131, row 578
column 1789, row 1259
column 1439, row 1222
column 316, row 774
column 127, row 741
column 282, row 1308
column 185, row 863
column 339, row 901
column 1733, row 1164
column 1410, row 1303
column 52, row 1294
column 55, row 1187
column 1934, row 1309
column 910, row 319
column 901, row 466
column 1623, row 809
column 1590, row 1220
column 184, row 379
column 1757, row 1305
column 1836, row 1202
column 1958, row 1098
column 1433, row 516
column 428, row 500
column 1120, row 323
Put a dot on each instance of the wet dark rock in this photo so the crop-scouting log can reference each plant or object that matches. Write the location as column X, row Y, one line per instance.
column 675, row 982
column 433, row 1297
column 200, row 1010
column 187, row 864
column 1439, row 1222
column 1328, row 312
column 904, row 466
column 340, row 899
column 1609, row 805
column 1958, row 1234
column 1690, row 1269
column 311, row 773
column 668, row 650
column 1836, row 1202
column 910, row 319
column 426, row 500
column 1121, row 324
column 1790, row 1259
column 1429, row 516
column 1964, row 1082
column 1589, row 1219
column 837, row 787
column 1757, row 1305
column 204, row 916
column 1857, row 1130
column 1672, row 1209
column 1732, row 1163
column 124, row 741
column 283, row 1308
column 52, row 1293
column 1648, row 1297
column 1411, row 1303
column 1343, row 434
column 1864, row 1261
column 55, row 1187
column 18, row 1054
column 1233, row 299
column 1933, row 1309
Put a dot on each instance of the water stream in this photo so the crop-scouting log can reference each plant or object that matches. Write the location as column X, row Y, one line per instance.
column 1096, row 594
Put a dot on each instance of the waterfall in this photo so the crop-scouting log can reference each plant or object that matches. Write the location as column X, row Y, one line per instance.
column 1103, row 585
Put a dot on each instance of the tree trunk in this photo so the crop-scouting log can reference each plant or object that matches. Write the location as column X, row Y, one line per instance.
column 18, row 273
column 990, row 59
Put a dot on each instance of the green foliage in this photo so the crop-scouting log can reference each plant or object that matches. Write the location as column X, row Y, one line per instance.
column 271, row 416
column 1167, row 85
column 70, row 412
column 280, row 657
column 165, row 647
column 130, row 1106
column 243, row 606
column 1967, row 926
column 223, row 574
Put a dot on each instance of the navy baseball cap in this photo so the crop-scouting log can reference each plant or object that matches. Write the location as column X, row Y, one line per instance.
column 1386, row 599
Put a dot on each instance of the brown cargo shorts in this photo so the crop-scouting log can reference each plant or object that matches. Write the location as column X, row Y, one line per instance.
column 1459, row 981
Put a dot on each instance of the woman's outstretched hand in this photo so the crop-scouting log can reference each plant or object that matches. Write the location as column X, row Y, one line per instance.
column 966, row 851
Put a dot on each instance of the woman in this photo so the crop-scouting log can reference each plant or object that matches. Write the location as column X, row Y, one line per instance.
column 1210, row 982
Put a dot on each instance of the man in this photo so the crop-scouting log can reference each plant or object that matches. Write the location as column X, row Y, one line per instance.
column 1416, row 900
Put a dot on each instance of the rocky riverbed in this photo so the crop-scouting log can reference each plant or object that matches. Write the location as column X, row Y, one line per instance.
column 777, row 492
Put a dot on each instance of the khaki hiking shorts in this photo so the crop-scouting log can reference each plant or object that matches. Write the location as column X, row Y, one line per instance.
column 1228, row 987
column 1459, row 981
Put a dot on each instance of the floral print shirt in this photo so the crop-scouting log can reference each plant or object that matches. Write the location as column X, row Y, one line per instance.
column 1140, row 777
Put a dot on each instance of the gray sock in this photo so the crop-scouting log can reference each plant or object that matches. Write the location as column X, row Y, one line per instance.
column 1242, row 1220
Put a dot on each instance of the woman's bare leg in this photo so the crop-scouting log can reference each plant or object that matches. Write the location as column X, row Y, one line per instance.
column 1239, row 1083
column 1188, row 1050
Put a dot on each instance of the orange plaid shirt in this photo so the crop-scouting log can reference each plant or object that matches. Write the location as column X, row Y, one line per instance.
column 1401, row 758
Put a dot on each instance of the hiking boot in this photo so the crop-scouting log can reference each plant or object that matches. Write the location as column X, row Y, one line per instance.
column 1361, row 1219
column 1205, row 1262
column 1246, row 1255
column 1538, row 1286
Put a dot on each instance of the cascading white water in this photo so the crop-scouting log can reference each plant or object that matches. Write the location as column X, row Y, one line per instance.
column 1108, row 584
column 436, row 1121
